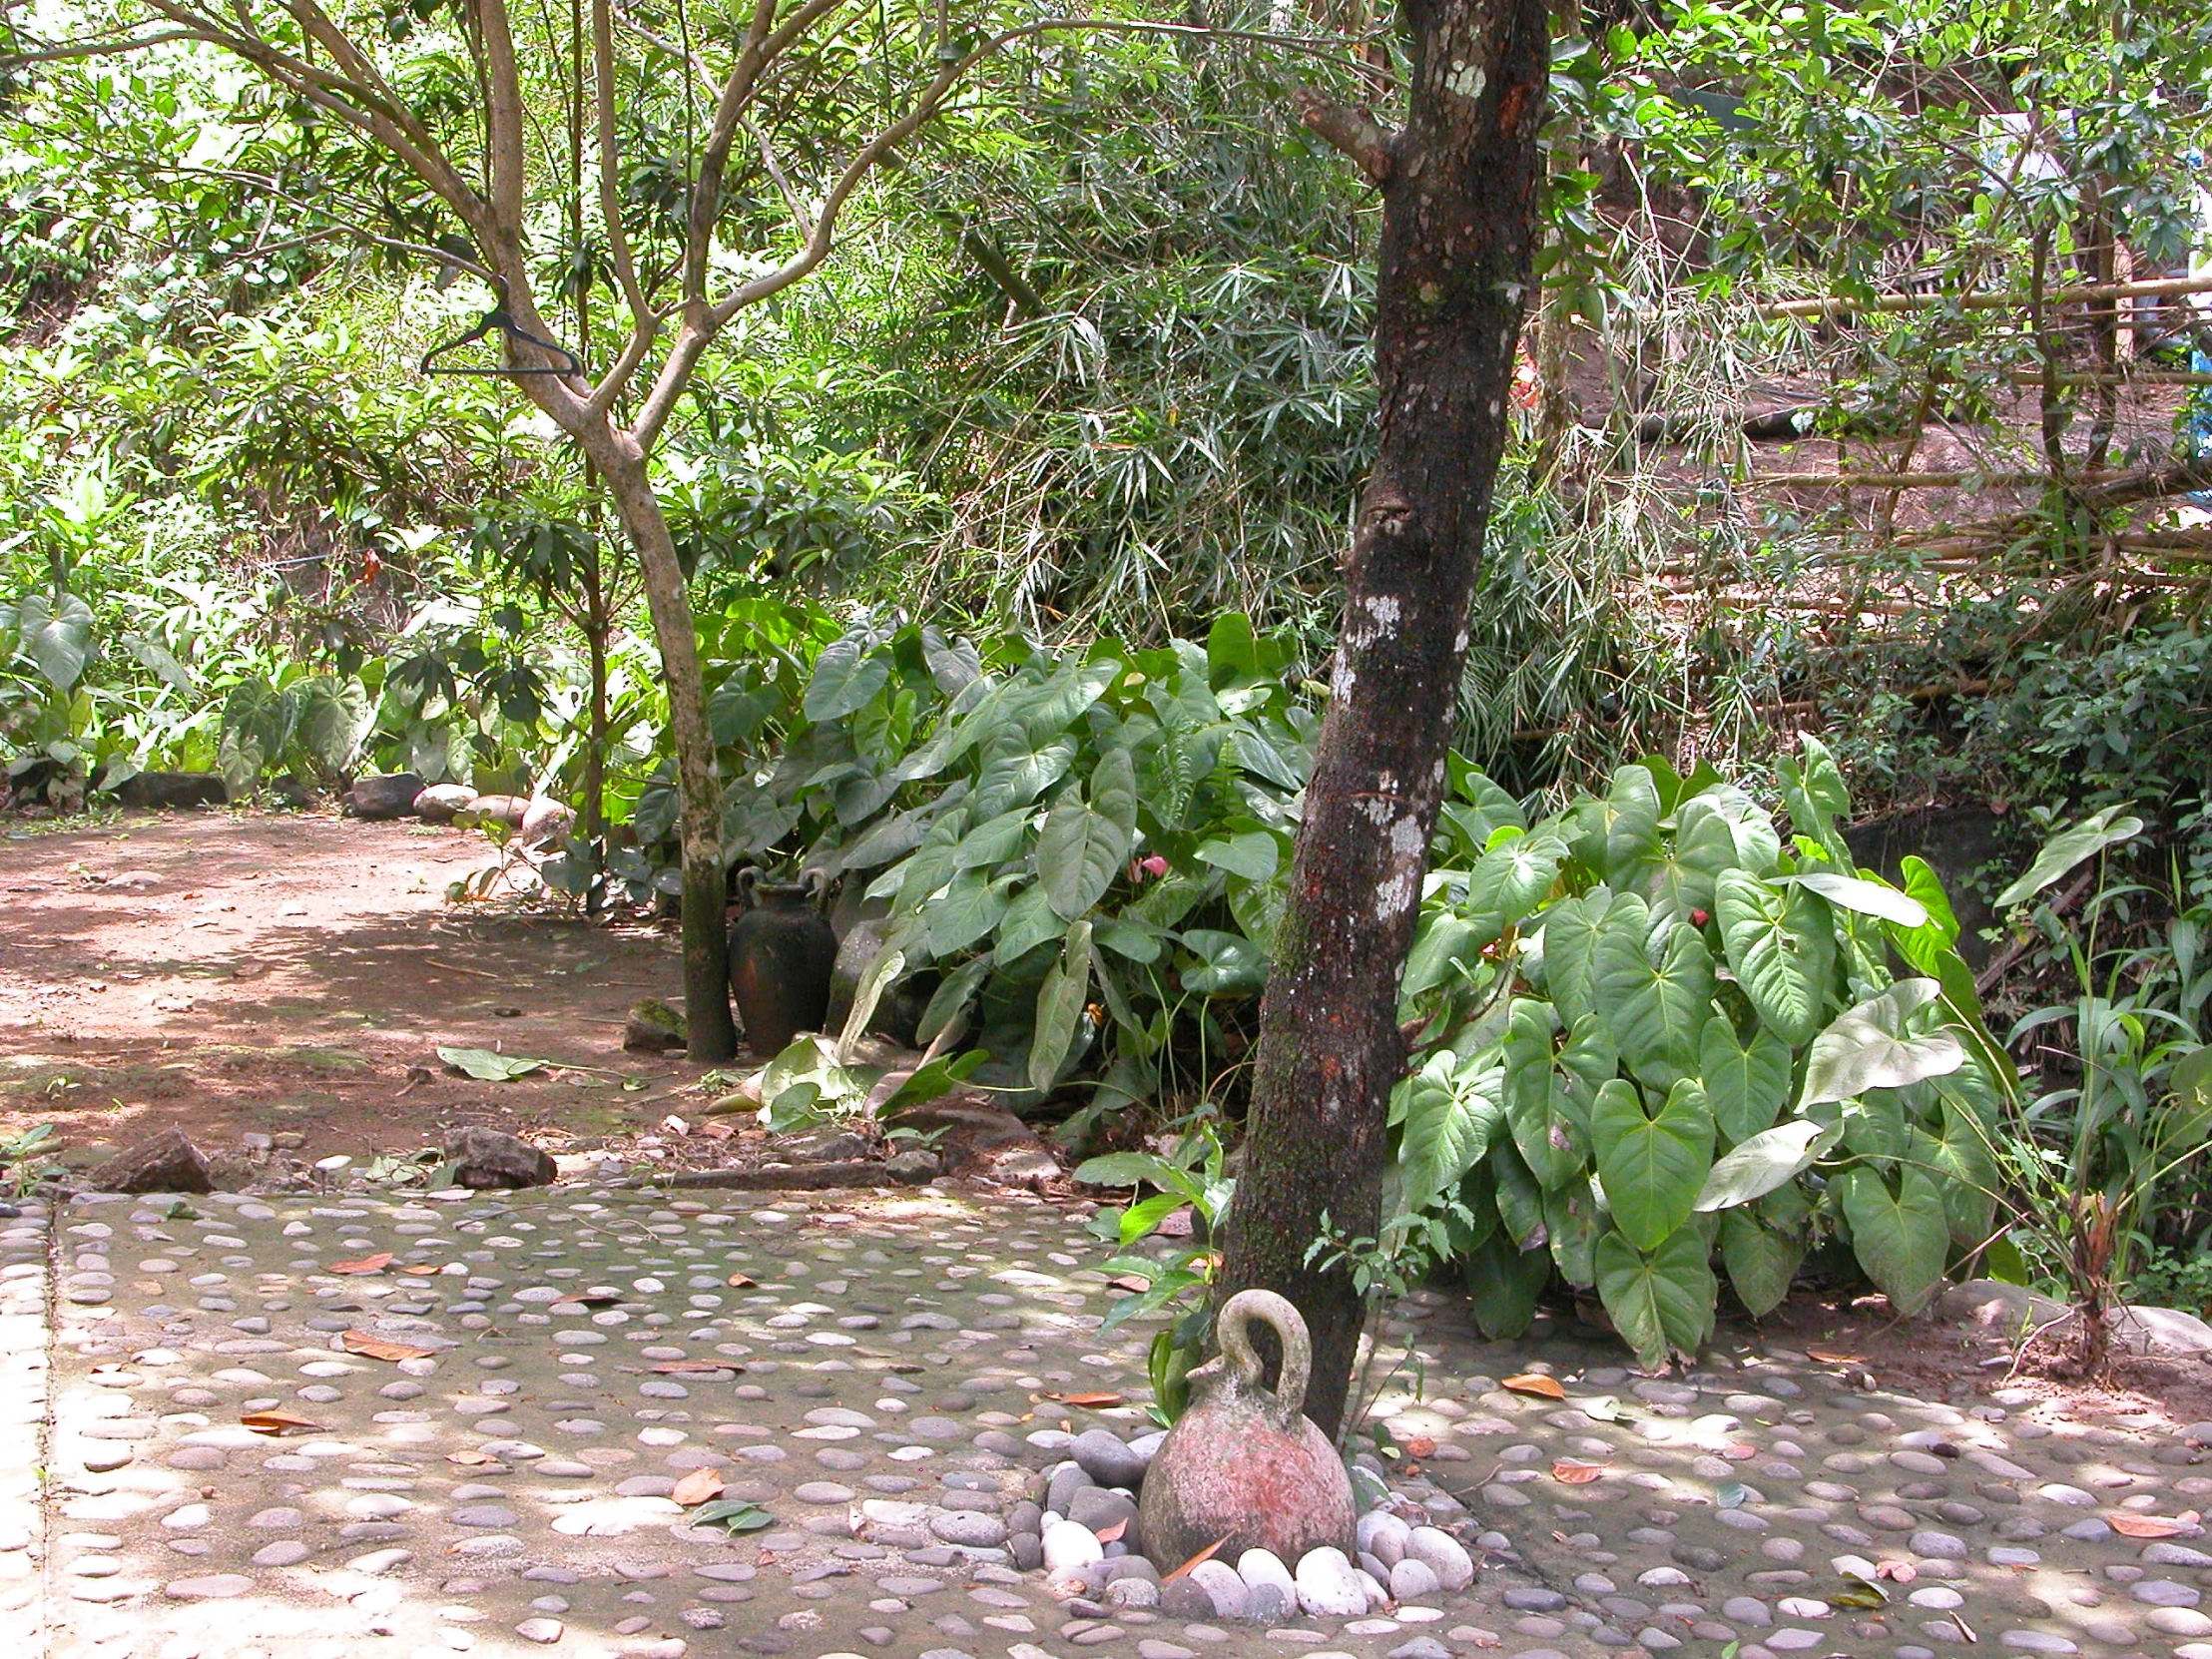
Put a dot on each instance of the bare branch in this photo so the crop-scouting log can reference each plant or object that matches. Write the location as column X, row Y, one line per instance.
column 504, row 120
column 1352, row 131
column 67, row 50
column 610, row 171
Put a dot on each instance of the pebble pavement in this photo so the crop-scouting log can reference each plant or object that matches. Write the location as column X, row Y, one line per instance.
column 878, row 1373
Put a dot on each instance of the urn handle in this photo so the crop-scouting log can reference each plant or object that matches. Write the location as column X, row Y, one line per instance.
column 749, row 882
column 1288, row 1324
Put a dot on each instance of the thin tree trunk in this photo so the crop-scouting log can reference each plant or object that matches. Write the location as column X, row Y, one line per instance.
column 711, row 1035
column 1459, row 187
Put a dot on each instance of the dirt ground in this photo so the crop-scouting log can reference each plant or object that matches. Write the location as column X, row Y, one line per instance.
column 237, row 974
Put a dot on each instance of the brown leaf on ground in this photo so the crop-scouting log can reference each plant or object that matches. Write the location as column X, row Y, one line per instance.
column 368, row 1264
column 377, row 1347
column 697, row 1487
column 2149, row 1526
column 423, row 1270
column 1896, row 1572
column 743, row 1281
column 471, row 1457
column 280, row 1422
column 1130, row 1281
column 1206, row 1555
column 1419, row 1445
column 1569, row 1473
column 1833, row 1356
column 1093, row 1399
column 1533, row 1383
column 1107, row 1534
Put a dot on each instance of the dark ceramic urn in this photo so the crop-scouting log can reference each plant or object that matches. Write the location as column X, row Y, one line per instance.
column 782, row 952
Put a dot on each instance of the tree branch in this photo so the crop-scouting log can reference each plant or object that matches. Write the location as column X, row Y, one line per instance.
column 66, row 51
column 610, row 172
column 1352, row 131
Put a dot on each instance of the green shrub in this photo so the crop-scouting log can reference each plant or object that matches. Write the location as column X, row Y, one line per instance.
column 1656, row 1030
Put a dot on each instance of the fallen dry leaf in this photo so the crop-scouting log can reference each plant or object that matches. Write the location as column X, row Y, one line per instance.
column 697, row 1487
column 1107, row 1534
column 1206, row 1555
column 423, row 1270
column 2149, row 1526
column 1130, row 1281
column 1096, row 1398
column 471, row 1457
column 743, row 1281
column 368, row 1264
column 1964, row 1629
column 1833, row 1356
column 675, row 1125
column 1532, row 1383
column 280, row 1422
column 1575, row 1475
column 1419, row 1445
column 376, row 1348
column 714, row 1129
column 1898, row 1573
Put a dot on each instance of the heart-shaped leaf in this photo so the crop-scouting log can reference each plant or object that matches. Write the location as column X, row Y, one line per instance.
column 1661, row 1303
column 1867, row 899
column 1747, row 1084
column 488, row 1067
column 1656, row 1004
column 1760, row 1262
column 2070, row 848
column 1652, row 1168
column 1901, row 1237
column 1763, row 1163
column 1866, row 1047
column 1780, row 946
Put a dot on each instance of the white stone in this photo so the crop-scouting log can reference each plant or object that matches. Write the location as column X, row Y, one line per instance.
column 1412, row 1579
column 1262, row 1566
column 1068, row 1547
column 1454, row 1567
column 1329, row 1585
column 1383, row 1536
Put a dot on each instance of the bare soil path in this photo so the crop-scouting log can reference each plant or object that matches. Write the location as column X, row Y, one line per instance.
column 236, row 974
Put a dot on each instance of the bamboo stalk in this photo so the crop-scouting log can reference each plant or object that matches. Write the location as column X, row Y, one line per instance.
column 2172, row 288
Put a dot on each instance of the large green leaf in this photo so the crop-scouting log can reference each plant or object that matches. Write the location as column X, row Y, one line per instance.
column 2085, row 840
column 1763, row 1163
column 1452, row 1109
column 1902, row 1238
column 1504, row 1283
column 1704, row 845
column 1570, row 939
column 57, row 638
column 993, row 842
column 1619, row 835
column 1574, row 1219
column 1780, row 945
column 1747, row 1083
column 1548, row 1126
column 1656, row 1009
column 1652, row 1168
column 1589, row 1059
column 1228, row 962
column 1253, row 854
column 848, row 672
column 1761, row 1262
column 1027, row 924
column 488, row 1067
column 1015, row 771
column 1520, row 1202
column 1510, row 881
column 1868, row 1047
column 966, row 910
column 1083, row 846
column 1813, row 790
column 1661, row 1301
column 1060, row 1000
column 334, row 717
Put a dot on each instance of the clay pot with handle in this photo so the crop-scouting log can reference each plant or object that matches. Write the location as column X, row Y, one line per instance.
column 781, row 954
column 1245, row 1465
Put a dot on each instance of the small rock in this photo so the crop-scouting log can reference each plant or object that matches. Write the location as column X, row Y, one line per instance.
column 378, row 800
column 1454, row 1567
column 542, row 1631
column 1413, row 1578
column 913, row 1168
column 439, row 803
column 1107, row 1458
column 1328, row 1584
column 491, row 1158
column 654, row 1027
column 1383, row 1536
column 544, row 821
column 1220, row 1582
column 1261, row 1567
column 1068, row 1547
column 166, row 1162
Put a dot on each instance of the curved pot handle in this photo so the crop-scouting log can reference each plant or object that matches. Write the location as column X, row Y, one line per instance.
column 1288, row 1324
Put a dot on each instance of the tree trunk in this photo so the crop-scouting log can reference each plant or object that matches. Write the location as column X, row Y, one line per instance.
column 1460, row 210
column 711, row 1036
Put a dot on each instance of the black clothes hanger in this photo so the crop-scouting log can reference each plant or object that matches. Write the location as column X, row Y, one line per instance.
column 497, row 320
